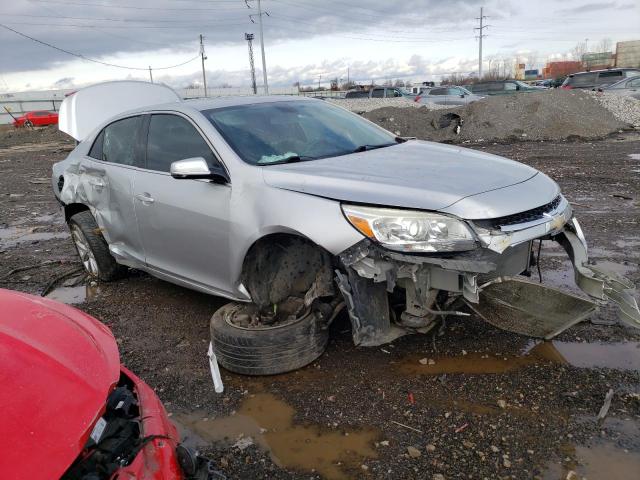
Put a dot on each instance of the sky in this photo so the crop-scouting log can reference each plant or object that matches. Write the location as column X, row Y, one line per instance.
column 305, row 41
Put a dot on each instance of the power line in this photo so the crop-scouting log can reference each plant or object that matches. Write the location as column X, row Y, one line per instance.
column 79, row 55
column 226, row 3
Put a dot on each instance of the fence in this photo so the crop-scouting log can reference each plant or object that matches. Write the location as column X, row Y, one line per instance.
column 19, row 107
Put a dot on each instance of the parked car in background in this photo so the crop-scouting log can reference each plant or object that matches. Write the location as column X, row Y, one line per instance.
column 598, row 78
column 543, row 83
column 69, row 409
column 295, row 208
column 447, row 96
column 377, row 92
column 629, row 87
column 501, row 87
column 37, row 118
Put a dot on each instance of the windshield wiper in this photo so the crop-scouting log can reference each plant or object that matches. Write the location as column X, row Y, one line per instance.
column 291, row 159
column 364, row 148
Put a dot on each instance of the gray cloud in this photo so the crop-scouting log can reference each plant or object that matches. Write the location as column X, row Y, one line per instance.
column 146, row 25
column 591, row 7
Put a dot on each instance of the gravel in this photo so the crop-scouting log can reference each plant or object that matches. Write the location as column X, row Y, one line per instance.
column 545, row 115
column 361, row 105
column 625, row 109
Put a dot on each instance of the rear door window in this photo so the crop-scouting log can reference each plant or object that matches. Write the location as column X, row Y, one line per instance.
column 583, row 80
column 631, row 73
column 634, row 83
column 438, row 91
column 119, row 142
column 609, row 77
column 378, row 93
column 172, row 138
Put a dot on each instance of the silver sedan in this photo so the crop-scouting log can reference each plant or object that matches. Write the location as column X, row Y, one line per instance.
column 447, row 96
column 629, row 87
column 295, row 208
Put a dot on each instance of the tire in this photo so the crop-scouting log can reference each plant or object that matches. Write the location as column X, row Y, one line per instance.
column 267, row 351
column 92, row 248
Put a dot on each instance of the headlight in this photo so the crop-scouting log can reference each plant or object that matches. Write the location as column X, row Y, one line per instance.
column 411, row 230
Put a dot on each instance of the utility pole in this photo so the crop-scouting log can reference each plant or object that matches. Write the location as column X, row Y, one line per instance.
column 348, row 80
column 204, row 57
column 150, row 74
column 319, row 78
column 481, row 35
column 264, row 62
column 249, row 38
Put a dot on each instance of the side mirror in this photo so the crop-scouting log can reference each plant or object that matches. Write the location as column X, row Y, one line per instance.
column 197, row 168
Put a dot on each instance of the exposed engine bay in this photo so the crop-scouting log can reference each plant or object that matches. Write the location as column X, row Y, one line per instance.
column 115, row 439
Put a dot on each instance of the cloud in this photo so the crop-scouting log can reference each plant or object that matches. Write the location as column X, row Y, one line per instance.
column 589, row 7
column 66, row 82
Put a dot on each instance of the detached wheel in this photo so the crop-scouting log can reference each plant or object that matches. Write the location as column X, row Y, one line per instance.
column 266, row 350
column 92, row 248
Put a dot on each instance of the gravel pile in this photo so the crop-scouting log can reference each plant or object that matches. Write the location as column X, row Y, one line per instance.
column 11, row 136
column 362, row 105
column 546, row 115
column 625, row 109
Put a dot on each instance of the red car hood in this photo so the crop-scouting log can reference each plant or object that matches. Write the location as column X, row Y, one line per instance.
column 57, row 367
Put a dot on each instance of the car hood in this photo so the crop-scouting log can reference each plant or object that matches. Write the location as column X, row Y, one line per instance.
column 58, row 366
column 414, row 174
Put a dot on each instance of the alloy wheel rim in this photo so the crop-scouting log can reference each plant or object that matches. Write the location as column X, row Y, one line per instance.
column 87, row 257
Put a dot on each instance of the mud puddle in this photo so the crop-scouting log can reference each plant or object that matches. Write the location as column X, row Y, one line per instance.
column 74, row 295
column 619, row 356
column 267, row 421
column 604, row 461
column 12, row 236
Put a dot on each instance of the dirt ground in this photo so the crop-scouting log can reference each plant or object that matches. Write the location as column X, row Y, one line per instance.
column 474, row 402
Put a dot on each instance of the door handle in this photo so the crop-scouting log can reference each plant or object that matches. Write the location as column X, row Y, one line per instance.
column 96, row 183
column 145, row 198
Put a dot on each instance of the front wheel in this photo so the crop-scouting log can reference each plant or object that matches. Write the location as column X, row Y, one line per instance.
column 93, row 248
column 266, row 350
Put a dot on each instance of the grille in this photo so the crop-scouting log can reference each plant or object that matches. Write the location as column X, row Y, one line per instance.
column 522, row 217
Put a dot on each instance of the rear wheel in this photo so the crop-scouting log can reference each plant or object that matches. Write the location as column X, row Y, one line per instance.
column 92, row 248
column 266, row 350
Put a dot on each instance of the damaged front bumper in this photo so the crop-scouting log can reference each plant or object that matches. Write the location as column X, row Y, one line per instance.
column 375, row 279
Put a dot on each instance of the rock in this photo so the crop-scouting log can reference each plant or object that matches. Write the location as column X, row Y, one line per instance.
column 467, row 444
column 413, row 452
column 243, row 443
column 431, row 448
column 502, row 403
column 364, row 467
column 423, row 361
column 506, row 463
column 432, row 361
column 384, row 443
column 438, row 476
column 494, row 449
column 571, row 475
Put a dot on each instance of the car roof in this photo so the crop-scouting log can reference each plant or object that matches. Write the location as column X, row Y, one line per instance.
column 622, row 69
column 201, row 104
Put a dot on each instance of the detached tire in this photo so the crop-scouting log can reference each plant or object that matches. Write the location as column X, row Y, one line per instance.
column 266, row 351
column 93, row 248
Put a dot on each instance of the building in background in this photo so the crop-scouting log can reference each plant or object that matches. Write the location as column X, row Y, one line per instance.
column 598, row 60
column 555, row 70
column 531, row 74
column 628, row 54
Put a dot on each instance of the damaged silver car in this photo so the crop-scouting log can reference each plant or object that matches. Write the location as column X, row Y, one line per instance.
column 295, row 209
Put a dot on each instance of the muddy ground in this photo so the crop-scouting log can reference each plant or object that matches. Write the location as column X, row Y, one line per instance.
column 474, row 402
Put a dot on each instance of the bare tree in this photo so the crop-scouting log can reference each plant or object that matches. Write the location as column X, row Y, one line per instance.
column 578, row 51
column 604, row 45
column 399, row 83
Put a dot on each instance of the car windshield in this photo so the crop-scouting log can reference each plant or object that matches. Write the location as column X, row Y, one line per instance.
column 276, row 132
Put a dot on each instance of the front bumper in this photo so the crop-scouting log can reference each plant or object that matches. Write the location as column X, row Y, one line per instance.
column 373, row 272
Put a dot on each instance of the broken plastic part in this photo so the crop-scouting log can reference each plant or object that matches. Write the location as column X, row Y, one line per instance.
column 215, row 370
column 595, row 282
column 529, row 308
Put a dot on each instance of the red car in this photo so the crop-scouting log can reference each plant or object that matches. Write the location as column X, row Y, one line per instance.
column 36, row 119
column 70, row 410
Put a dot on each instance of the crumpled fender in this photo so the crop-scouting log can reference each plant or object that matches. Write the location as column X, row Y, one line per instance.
column 598, row 284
